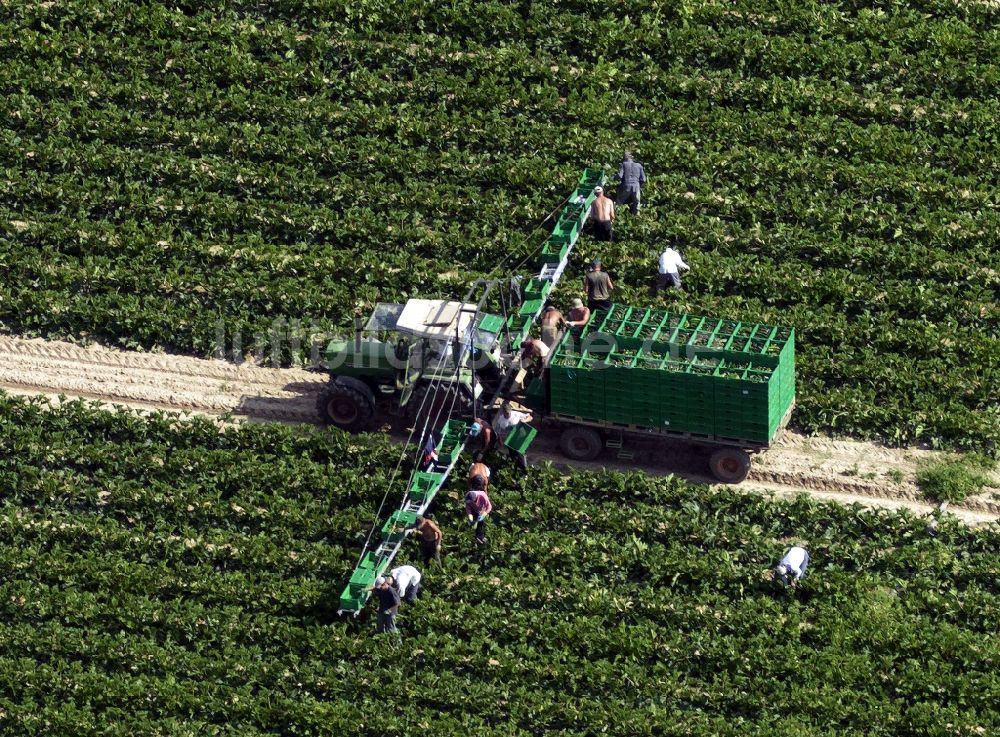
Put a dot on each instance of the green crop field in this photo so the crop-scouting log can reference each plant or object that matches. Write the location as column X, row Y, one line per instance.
column 173, row 170
column 826, row 165
column 163, row 578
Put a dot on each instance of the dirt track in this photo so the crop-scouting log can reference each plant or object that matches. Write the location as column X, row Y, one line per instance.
column 842, row 470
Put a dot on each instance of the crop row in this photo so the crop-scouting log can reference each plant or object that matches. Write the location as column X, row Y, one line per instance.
column 187, row 584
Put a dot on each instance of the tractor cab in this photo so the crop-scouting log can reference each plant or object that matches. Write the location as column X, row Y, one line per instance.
column 405, row 350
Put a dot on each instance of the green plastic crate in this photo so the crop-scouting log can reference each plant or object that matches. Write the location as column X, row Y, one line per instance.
column 394, row 529
column 350, row 602
column 553, row 251
column 537, row 289
column 361, row 580
column 520, row 437
column 424, row 485
column 530, row 307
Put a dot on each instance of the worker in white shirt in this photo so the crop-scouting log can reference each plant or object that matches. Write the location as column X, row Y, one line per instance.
column 794, row 563
column 406, row 581
column 506, row 420
column 670, row 262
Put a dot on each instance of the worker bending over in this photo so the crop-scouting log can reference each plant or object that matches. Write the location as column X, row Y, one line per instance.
column 479, row 473
column 534, row 354
column 669, row 276
column 477, row 507
column 481, row 434
column 794, row 563
column 406, row 580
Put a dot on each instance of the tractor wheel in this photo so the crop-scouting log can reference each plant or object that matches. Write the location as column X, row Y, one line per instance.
column 346, row 403
column 730, row 465
column 581, row 443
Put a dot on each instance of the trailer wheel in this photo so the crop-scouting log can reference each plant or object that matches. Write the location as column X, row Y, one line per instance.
column 347, row 403
column 730, row 465
column 581, row 443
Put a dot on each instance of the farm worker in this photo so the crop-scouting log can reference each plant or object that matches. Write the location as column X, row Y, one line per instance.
column 552, row 321
column 505, row 421
column 388, row 605
column 579, row 315
column 477, row 507
column 482, row 431
column 479, row 473
column 670, row 262
column 794, row 562
column 602, row 213
column 430, row 457
column 598, row 284
column 632, row 176
column 406, row 579
column 429, row 535
column 534, row 354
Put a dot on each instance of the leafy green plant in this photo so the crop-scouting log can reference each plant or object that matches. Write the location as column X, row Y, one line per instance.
column 166, row 576
column 955, row 479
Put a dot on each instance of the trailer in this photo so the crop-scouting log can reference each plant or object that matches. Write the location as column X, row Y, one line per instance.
column 723, row 384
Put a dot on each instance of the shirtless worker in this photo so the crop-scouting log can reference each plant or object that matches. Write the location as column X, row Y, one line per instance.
column 552, row 322
column 602, row 213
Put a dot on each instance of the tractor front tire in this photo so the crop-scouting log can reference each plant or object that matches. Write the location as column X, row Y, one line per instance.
column 347, row 403
column 581, row 443
column 730, row 465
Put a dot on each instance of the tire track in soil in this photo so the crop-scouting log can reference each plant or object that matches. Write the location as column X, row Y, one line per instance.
column 842, row 470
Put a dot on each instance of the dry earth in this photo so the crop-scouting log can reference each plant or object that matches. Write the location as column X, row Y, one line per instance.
column 842, row 470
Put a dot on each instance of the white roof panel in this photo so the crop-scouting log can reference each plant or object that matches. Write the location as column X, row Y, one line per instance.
column 435, row 318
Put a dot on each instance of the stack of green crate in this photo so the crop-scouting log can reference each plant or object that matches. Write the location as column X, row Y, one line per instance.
column 591, row 391
column 743, row 394
column 688, row 408
column 562, row 380
column 452, row 436
column 683, row 373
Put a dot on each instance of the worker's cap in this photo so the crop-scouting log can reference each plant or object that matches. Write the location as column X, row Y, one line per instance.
column 628, row 154
column 595, row 263
column 577, row 302
column 475, row 429
column 471, row 494
column 598, row 189
column 781, row 569
column 381, row 580
column 549, row 307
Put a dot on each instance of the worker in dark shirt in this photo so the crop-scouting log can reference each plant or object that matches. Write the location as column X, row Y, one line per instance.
column 632, row 176
column 598, row 285
column 481, row 434
column 388, row 605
